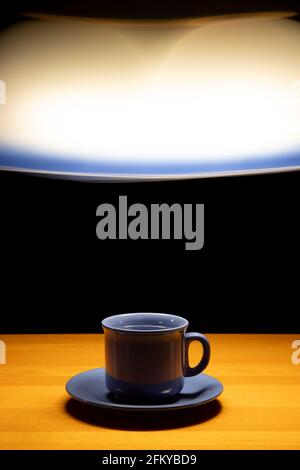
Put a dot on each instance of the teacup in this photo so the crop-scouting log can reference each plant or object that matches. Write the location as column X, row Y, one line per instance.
column 146, row 355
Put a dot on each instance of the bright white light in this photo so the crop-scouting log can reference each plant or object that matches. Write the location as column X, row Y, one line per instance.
column 215, row 92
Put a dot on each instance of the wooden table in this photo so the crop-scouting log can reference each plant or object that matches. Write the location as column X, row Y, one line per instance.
column 259, row 409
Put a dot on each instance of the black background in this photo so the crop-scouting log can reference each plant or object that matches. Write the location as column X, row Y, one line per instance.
column 147, row 8
column 56, row 276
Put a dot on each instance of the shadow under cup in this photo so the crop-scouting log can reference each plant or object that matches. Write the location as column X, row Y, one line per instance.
column 146, row 355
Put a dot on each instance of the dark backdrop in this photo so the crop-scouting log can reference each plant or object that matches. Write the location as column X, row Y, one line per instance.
column 57, row 276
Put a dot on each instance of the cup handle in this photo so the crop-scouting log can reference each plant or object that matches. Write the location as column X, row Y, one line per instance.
column 189, row 338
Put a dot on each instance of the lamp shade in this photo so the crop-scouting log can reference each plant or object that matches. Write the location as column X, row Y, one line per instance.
column 88, row 93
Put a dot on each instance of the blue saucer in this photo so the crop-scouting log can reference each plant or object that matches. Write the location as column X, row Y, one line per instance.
column 89, row 388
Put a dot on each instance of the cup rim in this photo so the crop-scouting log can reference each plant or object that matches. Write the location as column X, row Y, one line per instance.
column 105, row 323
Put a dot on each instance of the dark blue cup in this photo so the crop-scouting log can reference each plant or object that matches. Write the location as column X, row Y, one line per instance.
column 146, row 354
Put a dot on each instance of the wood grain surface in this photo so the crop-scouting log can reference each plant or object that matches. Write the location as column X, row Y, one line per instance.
column 259, row 408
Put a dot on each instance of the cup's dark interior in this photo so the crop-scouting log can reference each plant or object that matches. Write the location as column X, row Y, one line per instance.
column 144, row 322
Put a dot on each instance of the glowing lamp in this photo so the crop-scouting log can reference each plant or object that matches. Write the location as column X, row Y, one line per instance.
column 106, row 97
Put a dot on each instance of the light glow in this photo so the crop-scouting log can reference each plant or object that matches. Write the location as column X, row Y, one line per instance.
column 213, row 92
